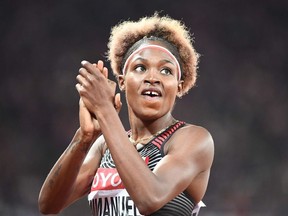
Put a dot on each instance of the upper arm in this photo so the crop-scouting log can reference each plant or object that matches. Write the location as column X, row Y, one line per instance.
column 187, row 163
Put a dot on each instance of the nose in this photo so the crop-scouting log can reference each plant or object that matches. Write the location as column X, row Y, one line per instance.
column 152, row 76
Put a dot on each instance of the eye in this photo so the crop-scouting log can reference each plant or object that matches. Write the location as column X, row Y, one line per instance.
column 140, row 68
column 166, row 71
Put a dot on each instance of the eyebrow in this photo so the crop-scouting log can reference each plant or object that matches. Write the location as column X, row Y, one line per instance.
column 154, row 47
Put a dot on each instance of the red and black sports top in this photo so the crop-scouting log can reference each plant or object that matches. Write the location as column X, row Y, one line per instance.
column 108, row 196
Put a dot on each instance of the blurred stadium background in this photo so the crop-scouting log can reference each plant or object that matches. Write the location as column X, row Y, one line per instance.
column 241, row 94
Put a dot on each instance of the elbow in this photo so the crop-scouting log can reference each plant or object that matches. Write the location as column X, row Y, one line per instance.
column 149, row 206
column 45, row 208
column 150, row 201
column 146, row 211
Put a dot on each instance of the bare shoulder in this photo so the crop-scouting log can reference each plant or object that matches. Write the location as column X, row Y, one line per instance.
column 198, row 134
column 194, row 142
column 192, row 135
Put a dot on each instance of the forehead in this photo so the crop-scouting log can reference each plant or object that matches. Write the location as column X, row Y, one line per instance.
column 152, row 52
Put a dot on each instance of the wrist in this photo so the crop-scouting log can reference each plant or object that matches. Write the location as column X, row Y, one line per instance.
column 86, row 138
column 105, row 112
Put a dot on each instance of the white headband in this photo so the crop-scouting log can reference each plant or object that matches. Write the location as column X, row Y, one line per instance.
column 145, row 46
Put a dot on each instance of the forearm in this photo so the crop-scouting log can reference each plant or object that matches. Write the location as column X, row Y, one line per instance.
column 129, row 163
column 59, row 183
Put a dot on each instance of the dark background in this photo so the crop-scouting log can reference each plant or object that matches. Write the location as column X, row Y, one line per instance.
column 241, row 94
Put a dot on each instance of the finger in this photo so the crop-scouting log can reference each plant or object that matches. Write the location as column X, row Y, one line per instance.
column 117, row 102
column 83, row 107
column 88, row 66
column 84, row 116
column 112, row 85
column 105, row 72
column 81, row 103
column 100, row 65
column 84, row 81
column 92, row 69
column 79, row 88
column 84, row 73
column 86, row 77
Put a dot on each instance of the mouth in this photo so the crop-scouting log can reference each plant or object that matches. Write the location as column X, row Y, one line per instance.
column 151, row 93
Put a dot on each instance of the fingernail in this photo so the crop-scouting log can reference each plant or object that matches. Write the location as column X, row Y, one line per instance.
column 83, row 62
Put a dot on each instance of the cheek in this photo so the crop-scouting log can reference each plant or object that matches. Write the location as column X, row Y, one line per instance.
column 172, row 88
column 171, row 94
column 131, row 84
column 131, row 87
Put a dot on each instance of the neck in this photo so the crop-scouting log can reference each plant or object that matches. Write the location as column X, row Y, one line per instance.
column 146, row 130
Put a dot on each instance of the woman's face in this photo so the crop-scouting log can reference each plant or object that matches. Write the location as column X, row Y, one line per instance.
column 151, row 83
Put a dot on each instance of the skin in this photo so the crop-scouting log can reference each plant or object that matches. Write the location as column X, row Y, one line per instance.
column 189, row 152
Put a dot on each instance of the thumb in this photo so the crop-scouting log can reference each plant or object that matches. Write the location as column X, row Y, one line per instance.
column 117, row 102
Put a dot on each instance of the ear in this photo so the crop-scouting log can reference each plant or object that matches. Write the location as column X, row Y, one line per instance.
column 121, row 82
column 180, row 89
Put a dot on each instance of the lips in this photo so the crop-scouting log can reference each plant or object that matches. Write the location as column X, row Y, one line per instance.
column 151, row 92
